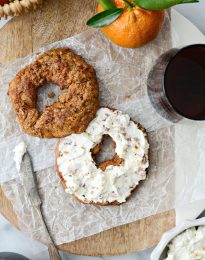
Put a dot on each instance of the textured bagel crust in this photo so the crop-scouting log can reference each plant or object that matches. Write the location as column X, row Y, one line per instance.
column 76, row 105
column 115, row 161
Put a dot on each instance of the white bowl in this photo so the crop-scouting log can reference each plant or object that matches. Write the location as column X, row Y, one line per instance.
column 160, row 252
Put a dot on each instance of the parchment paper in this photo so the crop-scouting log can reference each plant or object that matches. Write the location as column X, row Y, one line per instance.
column 122, row 75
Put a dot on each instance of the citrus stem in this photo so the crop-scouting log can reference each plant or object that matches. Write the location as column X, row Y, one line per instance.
column 128, row 4
column 107, row 4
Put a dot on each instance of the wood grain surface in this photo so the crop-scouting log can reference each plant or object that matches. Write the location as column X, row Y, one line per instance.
column 53, row 21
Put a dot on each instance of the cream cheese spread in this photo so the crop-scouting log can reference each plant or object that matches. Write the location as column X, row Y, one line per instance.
column 19, row 152
column 88, row 182
column 189, row 245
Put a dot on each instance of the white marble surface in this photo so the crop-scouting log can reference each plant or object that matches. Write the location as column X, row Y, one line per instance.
column 14, row 241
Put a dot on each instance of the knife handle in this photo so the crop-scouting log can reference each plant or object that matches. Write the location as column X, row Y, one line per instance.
column 53, row 252
column 52, row 249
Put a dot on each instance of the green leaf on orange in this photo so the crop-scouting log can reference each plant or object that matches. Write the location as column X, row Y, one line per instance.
column 104, row 18
column 160, row 4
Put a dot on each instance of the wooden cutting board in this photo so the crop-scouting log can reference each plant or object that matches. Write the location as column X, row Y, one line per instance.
column 54, row 21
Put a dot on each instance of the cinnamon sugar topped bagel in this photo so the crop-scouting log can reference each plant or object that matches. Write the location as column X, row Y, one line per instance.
column 76, row 105
column 111, row 182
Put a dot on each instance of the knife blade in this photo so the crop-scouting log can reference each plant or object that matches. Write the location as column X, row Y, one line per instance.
column 28, row 179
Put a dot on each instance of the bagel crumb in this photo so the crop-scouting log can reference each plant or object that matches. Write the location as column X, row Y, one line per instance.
column 51, row 94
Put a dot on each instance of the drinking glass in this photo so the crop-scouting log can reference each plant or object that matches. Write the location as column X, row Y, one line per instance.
column 187, row 82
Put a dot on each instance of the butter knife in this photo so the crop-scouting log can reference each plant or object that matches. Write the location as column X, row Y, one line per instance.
column 28, row 179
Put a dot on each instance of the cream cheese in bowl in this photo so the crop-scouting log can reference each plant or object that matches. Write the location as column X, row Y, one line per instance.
column 189, row 245
column 184, row 242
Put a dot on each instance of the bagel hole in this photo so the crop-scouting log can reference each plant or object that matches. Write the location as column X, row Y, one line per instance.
column 104, row 153
column 47, row 95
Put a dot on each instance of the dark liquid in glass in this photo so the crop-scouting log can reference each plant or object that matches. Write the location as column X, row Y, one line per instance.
column 184, row 82
column 176, row 83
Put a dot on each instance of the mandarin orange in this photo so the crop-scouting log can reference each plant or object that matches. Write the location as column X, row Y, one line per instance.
column 134, row 27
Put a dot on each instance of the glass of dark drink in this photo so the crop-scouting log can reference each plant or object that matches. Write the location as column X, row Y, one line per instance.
column 176, row 83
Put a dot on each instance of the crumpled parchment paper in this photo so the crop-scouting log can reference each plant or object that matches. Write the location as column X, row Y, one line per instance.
column 122, row 75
